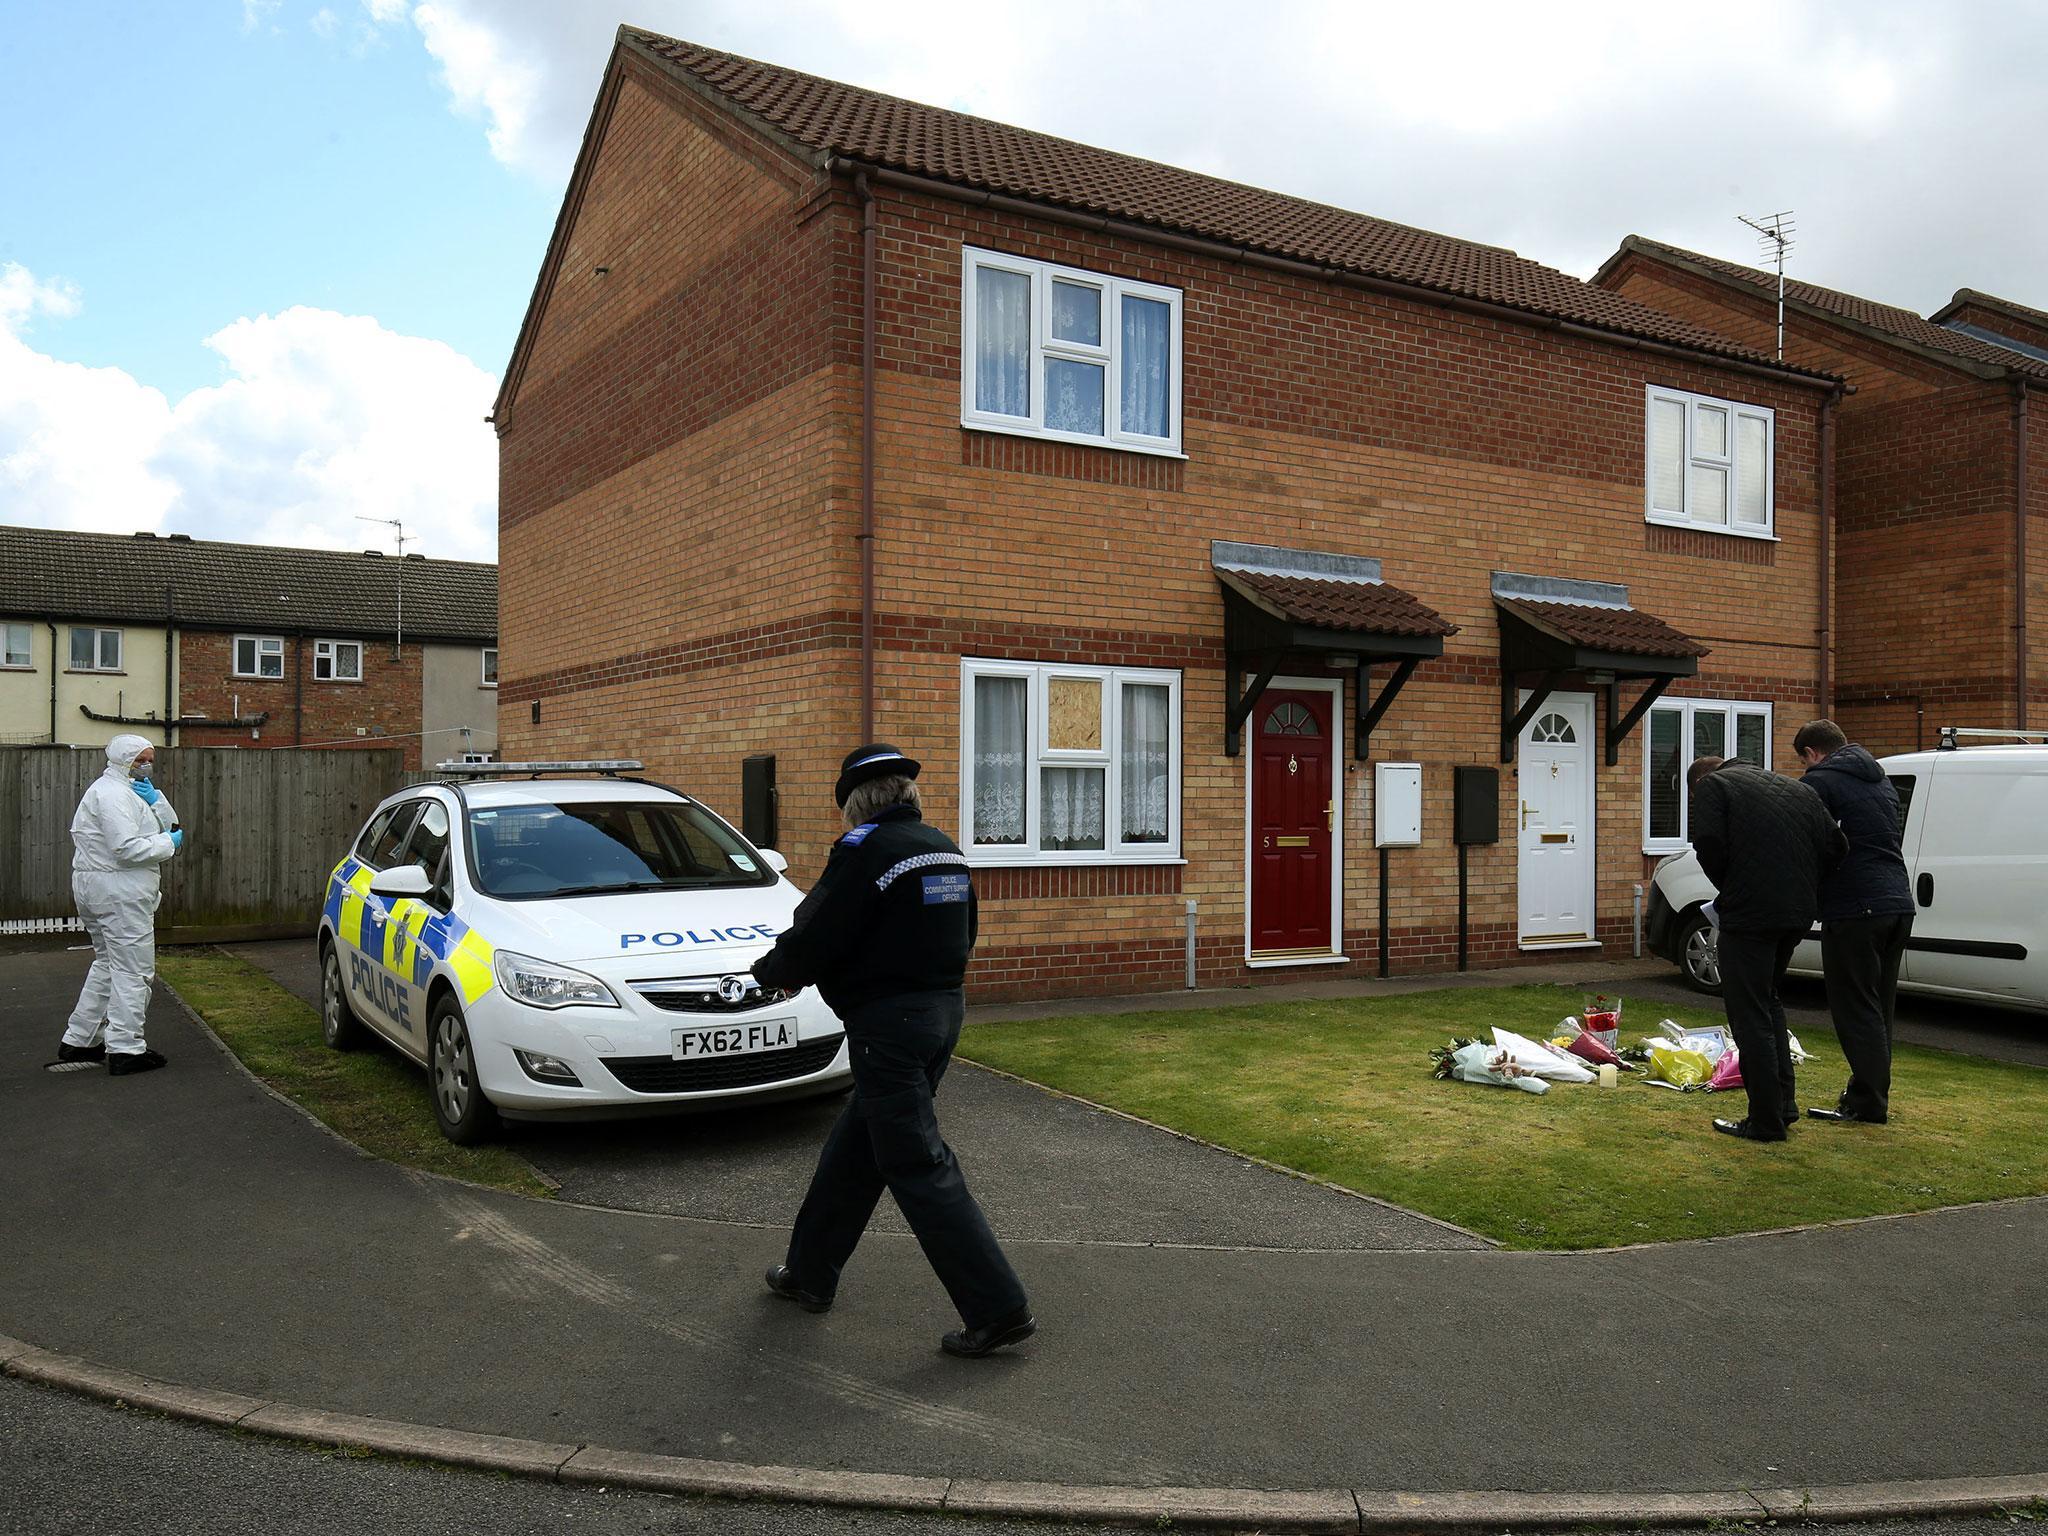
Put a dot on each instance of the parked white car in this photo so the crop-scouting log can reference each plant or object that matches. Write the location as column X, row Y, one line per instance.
column 1976, row 849
column 568, row 948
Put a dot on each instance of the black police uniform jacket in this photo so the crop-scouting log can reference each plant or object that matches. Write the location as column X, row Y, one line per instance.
column 894, row 912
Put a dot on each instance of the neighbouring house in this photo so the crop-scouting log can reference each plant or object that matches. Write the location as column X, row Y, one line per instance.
column 1198, row 539
column 1941, row 507
column 190, row 642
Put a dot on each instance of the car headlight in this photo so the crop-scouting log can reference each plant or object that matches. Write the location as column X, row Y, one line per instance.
column 543, row 984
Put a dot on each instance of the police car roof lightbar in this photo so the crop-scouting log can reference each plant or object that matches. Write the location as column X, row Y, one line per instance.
column 607, row 766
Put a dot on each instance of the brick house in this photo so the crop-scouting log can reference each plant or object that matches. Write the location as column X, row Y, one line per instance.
column 1942, row 470
column 196, row 643
column 1155, row 514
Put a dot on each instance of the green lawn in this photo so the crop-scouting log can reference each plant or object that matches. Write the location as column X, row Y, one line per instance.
column 373, row 1097
column 1342, row 1091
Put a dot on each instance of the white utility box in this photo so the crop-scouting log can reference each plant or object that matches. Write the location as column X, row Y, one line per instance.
column 1396, row 805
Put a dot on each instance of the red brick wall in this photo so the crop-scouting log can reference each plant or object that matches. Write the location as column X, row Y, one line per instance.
column 1924, row 503
column 385, row 705
column 682, row 587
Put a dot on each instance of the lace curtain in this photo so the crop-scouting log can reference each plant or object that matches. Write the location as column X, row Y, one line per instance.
column 1147, row 344
column 1002, row 342
column 1000, row 705
column 1142, row 764
column 1070, row 815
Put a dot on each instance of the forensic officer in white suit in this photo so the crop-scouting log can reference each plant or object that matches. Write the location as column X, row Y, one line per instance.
column 123, row 831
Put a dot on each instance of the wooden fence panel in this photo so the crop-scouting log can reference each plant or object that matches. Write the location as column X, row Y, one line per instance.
column 263, row 828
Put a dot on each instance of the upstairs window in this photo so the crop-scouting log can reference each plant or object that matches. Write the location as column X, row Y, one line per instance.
column 1061, row 353
column 259, row 656
column 490, row 677
column 95, row 650
column 1710, row 463
column 337, row 661
column 20, row 643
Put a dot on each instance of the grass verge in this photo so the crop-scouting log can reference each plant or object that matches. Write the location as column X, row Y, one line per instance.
column 1342, row 1090
column 372, row 1097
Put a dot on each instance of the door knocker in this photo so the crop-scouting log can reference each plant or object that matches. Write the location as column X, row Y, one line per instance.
column 1294, row 767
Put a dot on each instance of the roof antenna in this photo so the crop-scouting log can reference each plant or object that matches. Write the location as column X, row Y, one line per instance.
column 403, row 539
column 1774, row 238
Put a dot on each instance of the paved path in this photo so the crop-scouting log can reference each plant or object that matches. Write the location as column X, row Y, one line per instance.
column 188, row 1226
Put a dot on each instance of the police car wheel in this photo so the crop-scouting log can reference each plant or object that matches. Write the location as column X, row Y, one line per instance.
column 1699, row 953
column 339, row 1026
column 460, row 1108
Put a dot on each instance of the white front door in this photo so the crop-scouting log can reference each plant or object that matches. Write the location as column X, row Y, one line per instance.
column 1556, row 819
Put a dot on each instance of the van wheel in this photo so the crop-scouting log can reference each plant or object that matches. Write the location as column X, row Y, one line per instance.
column 339, row 1026
column 1699, row 953
column 465, row 1116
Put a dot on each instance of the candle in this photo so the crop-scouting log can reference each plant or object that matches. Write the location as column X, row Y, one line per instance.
column 1608, row 1075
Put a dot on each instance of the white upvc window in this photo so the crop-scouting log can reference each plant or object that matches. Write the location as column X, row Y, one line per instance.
column 1076, row 356
column 259, row 656
column 337, row 661
column 1066, row 764
column 1677, row 732
column 95, row 650
column 1709, row 463
column 490, row 672
column 20, row 645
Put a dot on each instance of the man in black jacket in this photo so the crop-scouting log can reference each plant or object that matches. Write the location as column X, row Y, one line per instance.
column 885, row 935
column 1866, row 913
column 1766, row 842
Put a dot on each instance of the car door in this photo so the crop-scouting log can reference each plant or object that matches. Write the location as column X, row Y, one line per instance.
column 1977, row 877
column 407, row 956
column 363, row 940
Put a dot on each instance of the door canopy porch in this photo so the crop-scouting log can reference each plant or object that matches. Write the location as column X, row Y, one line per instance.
column 1279, row 603
column 1552, row 629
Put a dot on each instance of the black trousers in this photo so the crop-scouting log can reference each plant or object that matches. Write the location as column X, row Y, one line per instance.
column 888, row 1137
column 1861, row 956
column 1752, row 969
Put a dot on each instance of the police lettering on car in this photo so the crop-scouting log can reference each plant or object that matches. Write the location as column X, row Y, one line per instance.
column 566, row 939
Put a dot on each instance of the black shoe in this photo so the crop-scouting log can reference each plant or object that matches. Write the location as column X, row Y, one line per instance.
column 1746, row 1131
column 122, row 1063
column 1848, row 1115
column 69, row 1052
column 1004, row 1331
column 780, row 1283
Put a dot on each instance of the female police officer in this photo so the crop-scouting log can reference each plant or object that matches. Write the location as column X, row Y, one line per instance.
column 885, row 935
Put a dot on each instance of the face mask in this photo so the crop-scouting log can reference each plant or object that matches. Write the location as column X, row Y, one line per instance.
column 142, row 770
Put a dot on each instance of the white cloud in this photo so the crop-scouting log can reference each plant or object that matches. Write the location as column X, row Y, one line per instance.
column 1554, row 131
column 257, row 12
column 321, row 417
column 324, row 23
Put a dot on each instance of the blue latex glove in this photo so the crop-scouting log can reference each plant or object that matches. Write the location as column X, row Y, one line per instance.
column 178, row 838
column 149, row 792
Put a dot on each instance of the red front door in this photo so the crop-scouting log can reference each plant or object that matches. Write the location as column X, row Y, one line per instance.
column 1292, row 816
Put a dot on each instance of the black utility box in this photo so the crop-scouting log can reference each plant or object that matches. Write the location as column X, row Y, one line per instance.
column 1476, row 816
column 757, row 799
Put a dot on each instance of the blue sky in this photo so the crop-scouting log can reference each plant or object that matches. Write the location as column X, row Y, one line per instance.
column 262, row 261
column 204, row 169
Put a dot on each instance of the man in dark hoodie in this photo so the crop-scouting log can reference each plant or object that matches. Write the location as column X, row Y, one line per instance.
column 1766, row 842
column 1866, row 913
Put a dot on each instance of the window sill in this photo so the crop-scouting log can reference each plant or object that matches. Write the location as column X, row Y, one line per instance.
column 1726, row 529
column 1071, row 861
column 255, row 677
column 1072, row 440
column 95, row 672
column 1539, row 946
column 1664, row 850
column 26, row 666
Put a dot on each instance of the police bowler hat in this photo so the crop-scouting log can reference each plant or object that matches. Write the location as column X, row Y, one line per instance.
column 876, row 760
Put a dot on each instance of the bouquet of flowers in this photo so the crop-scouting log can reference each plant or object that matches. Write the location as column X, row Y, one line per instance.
column 1468, row 1061
column 1602, row 1015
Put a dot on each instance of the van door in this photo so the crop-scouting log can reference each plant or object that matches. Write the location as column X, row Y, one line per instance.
column 1978, row 867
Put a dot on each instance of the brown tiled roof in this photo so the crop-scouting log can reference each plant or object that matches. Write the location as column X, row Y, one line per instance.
column 1886, row 319
column 1627, row 630
column 1369, row 607
column 826, row 118
column 49, row 573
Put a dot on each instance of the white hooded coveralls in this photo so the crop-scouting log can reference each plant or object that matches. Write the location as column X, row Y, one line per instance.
column 119, row 842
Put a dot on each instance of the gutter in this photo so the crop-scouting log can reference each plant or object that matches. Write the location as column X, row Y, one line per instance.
column 1827, row 551
column 51, row 625
column 235, row 722
column 170, row 660
column 867, row 455
column 1247, row 256
column 2019, row 551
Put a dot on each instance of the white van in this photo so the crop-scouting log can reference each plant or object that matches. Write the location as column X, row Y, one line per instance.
column 1976, row 847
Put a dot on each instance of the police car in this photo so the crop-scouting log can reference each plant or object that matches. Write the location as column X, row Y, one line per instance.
column 559, row 940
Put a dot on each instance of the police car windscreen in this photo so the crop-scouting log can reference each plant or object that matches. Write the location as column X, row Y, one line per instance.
column 585, row 849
